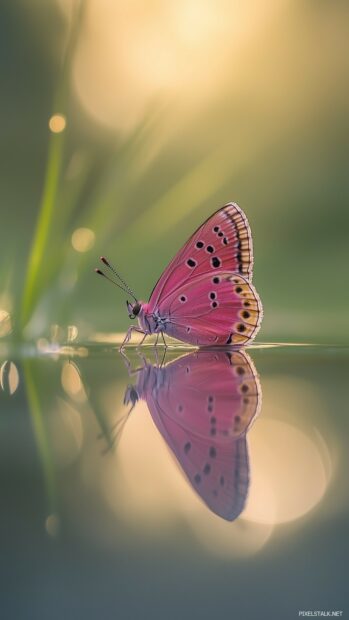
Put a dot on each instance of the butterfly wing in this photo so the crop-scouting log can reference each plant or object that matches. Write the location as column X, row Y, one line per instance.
column 215, row 308
column 203, row 405
column 226, row 383
column 223, row 241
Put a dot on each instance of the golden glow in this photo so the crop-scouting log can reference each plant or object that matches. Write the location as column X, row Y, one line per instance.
column 290, row 464
column 83, row 239
column 57, row 123
column 144, row 485
column 153, row 490
column 130, row 54
column 5, row 323
column 288, row 474
column 9, row 377
column 291, row 469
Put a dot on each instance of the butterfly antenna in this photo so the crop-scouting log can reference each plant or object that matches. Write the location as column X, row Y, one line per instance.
column 101, row 273
column 108, row 264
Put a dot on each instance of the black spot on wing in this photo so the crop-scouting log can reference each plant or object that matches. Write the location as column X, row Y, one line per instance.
column 187, row 447
column 216, row 262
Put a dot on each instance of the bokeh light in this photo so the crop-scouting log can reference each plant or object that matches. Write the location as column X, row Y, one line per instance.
column 57, row 123
column 73, row 333
column 5, row 323
column 71, row 381
column 83, row 239
column 288, row 473
column 9, row 377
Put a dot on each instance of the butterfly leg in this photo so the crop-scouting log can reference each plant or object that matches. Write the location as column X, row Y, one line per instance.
column 156, row 349
column 127, row 338
column 163, row 340
column 133, row 372
column 141, row 342
column 163, row 358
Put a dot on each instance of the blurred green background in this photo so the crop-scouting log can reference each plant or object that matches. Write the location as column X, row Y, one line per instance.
column 124, row 125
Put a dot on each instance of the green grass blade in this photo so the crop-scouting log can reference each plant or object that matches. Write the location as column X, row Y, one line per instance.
column 40, row 240
column 33, row 283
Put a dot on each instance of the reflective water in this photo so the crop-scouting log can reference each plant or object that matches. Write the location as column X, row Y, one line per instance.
column 194, row 484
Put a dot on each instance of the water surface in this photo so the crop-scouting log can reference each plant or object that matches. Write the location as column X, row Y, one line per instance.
column 190, row 485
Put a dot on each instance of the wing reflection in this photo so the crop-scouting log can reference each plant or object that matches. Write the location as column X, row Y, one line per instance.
column 203, row 405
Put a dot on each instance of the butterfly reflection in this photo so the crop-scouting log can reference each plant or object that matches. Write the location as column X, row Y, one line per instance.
column 203, row 405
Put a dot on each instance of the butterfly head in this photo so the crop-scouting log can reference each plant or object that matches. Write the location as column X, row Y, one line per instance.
column 133, row 309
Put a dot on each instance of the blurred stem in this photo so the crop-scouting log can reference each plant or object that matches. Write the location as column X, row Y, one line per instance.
column 40, row 434
column 33, row 283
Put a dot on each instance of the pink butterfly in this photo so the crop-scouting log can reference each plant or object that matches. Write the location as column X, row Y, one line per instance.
column 203, row 405
column 205, row 295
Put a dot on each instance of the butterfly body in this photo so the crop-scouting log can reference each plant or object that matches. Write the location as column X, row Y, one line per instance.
column 151, row 322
